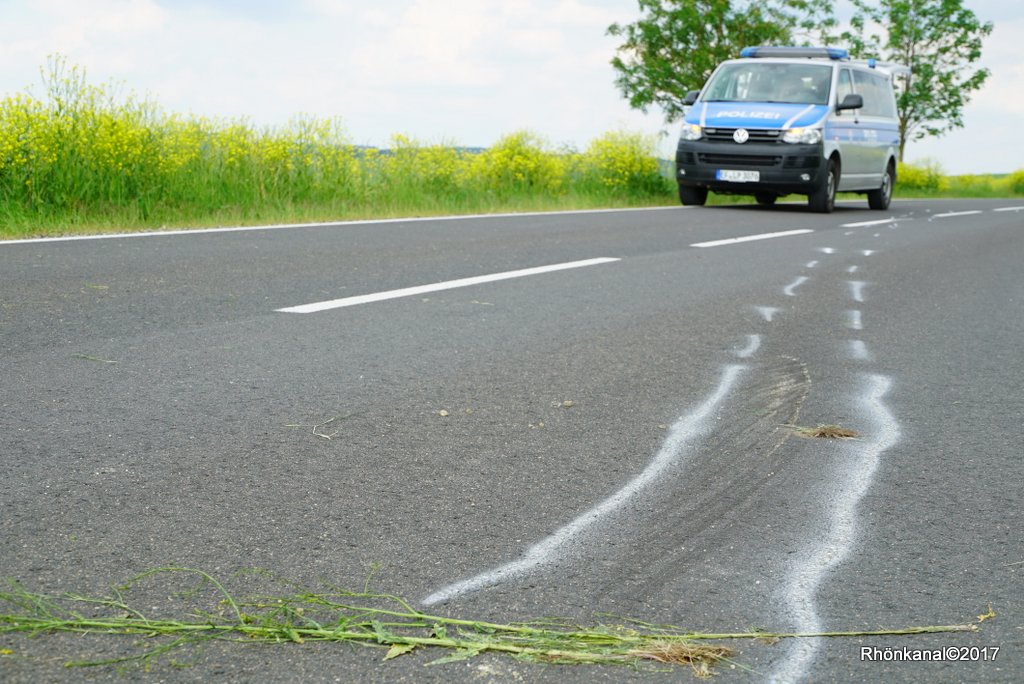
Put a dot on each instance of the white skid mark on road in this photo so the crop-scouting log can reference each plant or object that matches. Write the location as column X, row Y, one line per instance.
column 827, row 250
column 852, row 269
column 682, row 436
column 857, row 289
column 753, row 344
column 806, row 576
column 768, row 312
column 812, row 264
column 859, row 350
column 789, row 289
column 854, row 319
column 868, row 252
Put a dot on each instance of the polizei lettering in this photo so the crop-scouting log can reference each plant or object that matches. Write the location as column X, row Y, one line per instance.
column 748, row 115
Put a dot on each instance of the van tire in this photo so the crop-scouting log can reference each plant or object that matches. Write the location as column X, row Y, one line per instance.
column 766, row 198
column 692, row 195
column 879, row 199
column 823, row 199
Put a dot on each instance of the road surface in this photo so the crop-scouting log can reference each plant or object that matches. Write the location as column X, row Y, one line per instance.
column 514, row 417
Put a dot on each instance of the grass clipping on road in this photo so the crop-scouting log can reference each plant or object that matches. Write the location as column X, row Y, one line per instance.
column 336, row 615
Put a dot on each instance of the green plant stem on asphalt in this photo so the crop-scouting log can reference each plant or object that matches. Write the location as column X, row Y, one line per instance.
column 384, row 620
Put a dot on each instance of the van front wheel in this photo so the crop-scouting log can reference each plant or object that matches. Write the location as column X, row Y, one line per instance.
column 823, row 199
column 692, row 195
column 880, row 198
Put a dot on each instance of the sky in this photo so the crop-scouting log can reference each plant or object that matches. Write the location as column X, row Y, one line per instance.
column 462, row 72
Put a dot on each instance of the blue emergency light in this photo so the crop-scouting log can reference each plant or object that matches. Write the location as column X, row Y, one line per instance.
column 806, row 52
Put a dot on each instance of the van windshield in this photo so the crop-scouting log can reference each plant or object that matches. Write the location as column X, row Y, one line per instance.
column 770, row 82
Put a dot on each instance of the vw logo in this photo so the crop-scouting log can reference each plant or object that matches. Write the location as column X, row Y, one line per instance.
column 741, row 135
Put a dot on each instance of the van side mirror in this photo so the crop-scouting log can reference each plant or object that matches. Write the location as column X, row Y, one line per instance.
column 691, row 97
column 851, row 101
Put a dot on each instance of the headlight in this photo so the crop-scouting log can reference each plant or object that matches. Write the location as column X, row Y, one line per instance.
column 691, row 132
column 804, row 136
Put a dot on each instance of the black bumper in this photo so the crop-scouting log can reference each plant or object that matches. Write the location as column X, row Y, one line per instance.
column 783, row 169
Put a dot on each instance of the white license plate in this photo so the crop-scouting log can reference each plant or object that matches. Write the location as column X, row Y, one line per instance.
column 738, row 176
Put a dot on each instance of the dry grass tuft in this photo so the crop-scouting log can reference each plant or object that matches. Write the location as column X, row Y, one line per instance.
column 698, row 656
column 825, row 432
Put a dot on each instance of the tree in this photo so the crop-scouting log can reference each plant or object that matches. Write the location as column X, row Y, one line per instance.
column 940, row 40
column 676, row 44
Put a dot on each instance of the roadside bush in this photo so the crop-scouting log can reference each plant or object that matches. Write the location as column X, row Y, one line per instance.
column 927, row 177
column 972, row 185
column 411, row 167
column 625, row 163
column 519, row 162
column 1015, row 182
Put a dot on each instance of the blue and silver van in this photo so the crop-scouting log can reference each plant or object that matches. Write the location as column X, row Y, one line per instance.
column 785, row 120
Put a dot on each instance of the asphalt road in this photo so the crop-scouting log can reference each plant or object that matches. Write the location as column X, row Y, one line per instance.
column 607, row 438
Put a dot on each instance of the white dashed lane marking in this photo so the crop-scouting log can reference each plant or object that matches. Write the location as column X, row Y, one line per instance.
column 435, row 287
column 751, row 238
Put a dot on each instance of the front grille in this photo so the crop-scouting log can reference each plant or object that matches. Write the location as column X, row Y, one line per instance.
column 756, row 134
column 725, row 160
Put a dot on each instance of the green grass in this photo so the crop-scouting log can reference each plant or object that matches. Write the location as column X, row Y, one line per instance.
column 178, row 608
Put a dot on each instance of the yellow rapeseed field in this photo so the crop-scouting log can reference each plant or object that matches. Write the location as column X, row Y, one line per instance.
column 81, row 155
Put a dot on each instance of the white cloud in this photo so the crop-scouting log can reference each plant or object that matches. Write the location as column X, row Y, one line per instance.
column 330, row 8
column 431, row 44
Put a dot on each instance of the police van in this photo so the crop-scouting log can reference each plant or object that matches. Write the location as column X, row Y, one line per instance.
column 787, row 120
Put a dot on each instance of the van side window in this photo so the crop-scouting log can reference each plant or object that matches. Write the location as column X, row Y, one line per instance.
column 844, row 87
column 877, row 94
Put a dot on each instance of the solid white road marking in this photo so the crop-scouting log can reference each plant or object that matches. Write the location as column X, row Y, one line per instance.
column 340, row 224
column 682, row 435
column 448, row 285
column 751, row 238
column 789, row 289
column 1009, row 209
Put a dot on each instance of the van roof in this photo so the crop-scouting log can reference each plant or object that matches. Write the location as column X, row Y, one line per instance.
column 832, row 54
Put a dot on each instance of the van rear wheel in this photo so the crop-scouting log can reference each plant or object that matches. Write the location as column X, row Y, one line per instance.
column 692, row 195
column 880, row 198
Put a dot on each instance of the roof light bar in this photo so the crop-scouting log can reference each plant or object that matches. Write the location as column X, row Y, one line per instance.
column 807, row 52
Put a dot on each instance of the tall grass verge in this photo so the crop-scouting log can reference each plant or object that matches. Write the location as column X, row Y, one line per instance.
column 181, row 607
column 83, row 156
